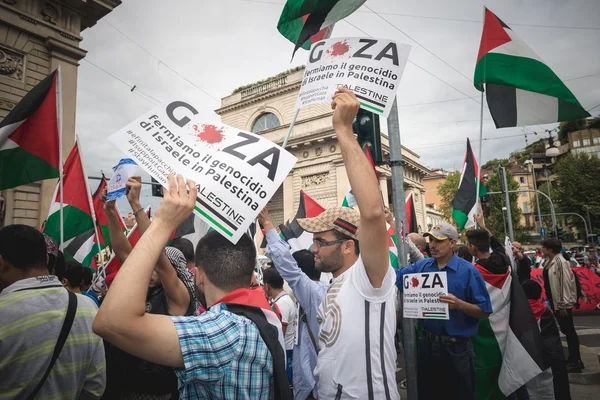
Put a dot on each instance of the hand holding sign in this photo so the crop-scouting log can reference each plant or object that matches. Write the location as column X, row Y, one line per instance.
column 345, row 106
column 452, row 301
column 133, row 189
column 178, row 202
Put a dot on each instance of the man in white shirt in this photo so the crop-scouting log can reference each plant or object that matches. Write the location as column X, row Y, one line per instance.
column 357, row 318
column 273, row 286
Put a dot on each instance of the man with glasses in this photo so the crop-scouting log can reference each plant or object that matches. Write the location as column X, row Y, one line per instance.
column 357, row 316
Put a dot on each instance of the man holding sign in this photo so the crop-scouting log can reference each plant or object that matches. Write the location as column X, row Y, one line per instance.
column 445, row 349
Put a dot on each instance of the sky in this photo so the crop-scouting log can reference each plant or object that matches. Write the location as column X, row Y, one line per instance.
column 202, row 50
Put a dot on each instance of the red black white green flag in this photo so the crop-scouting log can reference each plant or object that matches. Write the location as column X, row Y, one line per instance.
column 29, row 137
column 465, row 201
column 292, row 232
column 520, row 88
column 304, row 22
column 411, row 215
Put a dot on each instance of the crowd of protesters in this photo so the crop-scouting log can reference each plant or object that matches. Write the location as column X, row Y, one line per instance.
column 182, row 323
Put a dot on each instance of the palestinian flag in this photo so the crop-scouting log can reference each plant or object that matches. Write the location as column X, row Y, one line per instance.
column 113, row 265
column 465, row 200
column 508, row 346
column 292, row 232
column 29, row 137
column 411, row 215
column 392, row 243
column 520, row 89
column 304, row 22
column 76, row 208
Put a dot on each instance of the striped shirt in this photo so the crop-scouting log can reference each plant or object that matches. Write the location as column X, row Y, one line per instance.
column 224, row 357
column 32, row 312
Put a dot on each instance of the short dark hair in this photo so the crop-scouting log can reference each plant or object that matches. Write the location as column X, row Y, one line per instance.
column 185, row 246
column 532, row 289
column 340, row 236
column 479, row 238
column 552, row 244
column 59, row 266
column 23, row 247
column 463, row 252
column 228, row 266
column 74, row 273
column 272, row 277
column 306, row 261
column 88, row 276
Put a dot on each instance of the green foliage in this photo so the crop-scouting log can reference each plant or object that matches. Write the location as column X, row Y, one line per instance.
column 594, row 122
column 505, row 162
column 279, row 75
column 570, row 126
column 545, row 205
column 447, row 190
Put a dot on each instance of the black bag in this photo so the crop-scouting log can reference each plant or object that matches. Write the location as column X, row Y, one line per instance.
column 62, row 338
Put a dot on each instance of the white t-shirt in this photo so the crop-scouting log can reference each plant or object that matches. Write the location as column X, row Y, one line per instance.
column 287, row 307
column 356, row 320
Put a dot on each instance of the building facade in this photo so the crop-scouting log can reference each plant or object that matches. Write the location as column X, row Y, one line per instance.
column 36, row 37
column 267, row 108
column 585, row 141
column 431, row 183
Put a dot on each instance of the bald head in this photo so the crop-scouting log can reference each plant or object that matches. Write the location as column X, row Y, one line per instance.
column 418, row 241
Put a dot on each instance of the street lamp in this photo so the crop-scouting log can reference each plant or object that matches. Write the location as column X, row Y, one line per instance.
column 552, row 150
column 504, row 209
column 537, row 196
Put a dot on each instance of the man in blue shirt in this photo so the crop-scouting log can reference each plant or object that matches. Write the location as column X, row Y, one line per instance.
column 446, row 360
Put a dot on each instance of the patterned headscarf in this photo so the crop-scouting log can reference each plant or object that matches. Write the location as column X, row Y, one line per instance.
column 178, row 261
column 51, row 246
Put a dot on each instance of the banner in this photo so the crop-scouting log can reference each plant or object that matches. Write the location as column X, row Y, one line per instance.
column 125, row 169
column 590, row 285
column 421, row 295
column 237, row 172
column 371, row 68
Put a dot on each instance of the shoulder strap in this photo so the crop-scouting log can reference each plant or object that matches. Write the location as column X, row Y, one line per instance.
column 62, row 338
column 304, row 319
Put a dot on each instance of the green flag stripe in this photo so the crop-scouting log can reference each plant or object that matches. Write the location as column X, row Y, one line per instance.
column 488, row 361
column 523, row 73
column 460, row 217
column 76, row 222
column 20, row 167
column 214, row 221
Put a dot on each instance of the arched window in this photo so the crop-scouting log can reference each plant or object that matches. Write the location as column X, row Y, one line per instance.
column 265, row 121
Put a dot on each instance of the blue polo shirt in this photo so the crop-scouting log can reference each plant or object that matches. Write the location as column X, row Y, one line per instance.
column 464, row 282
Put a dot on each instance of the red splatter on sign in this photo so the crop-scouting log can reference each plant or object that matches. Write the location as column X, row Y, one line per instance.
column 209, row 134
column 338, row 49
column 415, row 282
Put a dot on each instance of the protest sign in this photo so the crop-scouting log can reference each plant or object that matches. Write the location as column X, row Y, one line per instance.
column 371, row 68
column 121, row 173
column 421, row 295
column 237, row 172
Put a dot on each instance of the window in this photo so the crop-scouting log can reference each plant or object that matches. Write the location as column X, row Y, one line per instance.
column 264, row 122
column 525, row 207
column 523, row 194
column 521, row 179
column 596, row 140
column 586, row 142
column 576, row 143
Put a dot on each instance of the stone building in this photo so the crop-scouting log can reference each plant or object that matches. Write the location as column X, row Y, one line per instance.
column 267, row 107
column 35, row 38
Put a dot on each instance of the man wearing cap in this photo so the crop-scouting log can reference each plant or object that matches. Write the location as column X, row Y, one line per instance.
column 445, row 349
column 357, row 317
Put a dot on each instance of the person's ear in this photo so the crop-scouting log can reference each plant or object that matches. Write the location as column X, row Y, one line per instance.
column 65, row 282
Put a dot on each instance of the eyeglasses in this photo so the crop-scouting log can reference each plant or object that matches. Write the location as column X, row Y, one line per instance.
column 322, row 243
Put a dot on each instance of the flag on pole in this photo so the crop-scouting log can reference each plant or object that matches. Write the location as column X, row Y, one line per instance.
column 76, row 208
column 411, row 215
column 292, row 232
column 29, row 137
column 304, row 22
column 464, row 204
column 520, row 88
column 508, row 347
column 133, row 237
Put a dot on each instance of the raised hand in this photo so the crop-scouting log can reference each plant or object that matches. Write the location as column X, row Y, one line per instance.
column 133, row 189
column 178, row 202
column 265, row 219
column 109, row 206
column 345, row 106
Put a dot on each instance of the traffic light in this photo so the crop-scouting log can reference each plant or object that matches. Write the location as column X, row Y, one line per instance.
column 501, row 178
column 157, row 189
column 366, row 127
column 485, row 207
column 561, row 232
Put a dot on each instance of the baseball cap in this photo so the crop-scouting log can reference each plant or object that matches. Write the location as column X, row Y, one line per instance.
column 342, row 219
column 443, row 232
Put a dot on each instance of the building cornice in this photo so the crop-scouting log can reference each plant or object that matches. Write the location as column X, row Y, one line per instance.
column 260, row 97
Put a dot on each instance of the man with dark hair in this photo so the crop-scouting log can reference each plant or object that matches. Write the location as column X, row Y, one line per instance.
column 561, row 290
column 523, row 262
column 553, row 353
column 273, row 286
column 34, row 308
column 306, row 261
column 445, row 348
column 352, row 362
column 73, row 279
column 187, row 248
column 234, row 349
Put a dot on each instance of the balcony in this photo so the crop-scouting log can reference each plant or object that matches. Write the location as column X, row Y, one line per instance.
column 264, row 87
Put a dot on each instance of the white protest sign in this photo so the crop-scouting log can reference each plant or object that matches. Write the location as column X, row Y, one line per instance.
column 121, row 173
column 237, row 172
column 421, row 295
column 371, row 68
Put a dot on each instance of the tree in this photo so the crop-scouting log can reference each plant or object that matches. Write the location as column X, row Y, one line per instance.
column 495, row 162
column 545, row 205
column 577, row 177
column 570, row 126
column 447, row 190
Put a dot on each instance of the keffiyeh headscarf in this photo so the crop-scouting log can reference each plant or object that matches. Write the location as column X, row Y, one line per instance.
column 177, row 259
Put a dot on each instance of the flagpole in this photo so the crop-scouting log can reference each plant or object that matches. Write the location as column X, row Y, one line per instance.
column 60, row 155
column 90, row 201
column 479, row 159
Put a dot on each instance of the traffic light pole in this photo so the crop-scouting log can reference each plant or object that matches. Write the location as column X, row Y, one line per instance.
column 585, row 225
column 409, row 325
column 504, row 184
